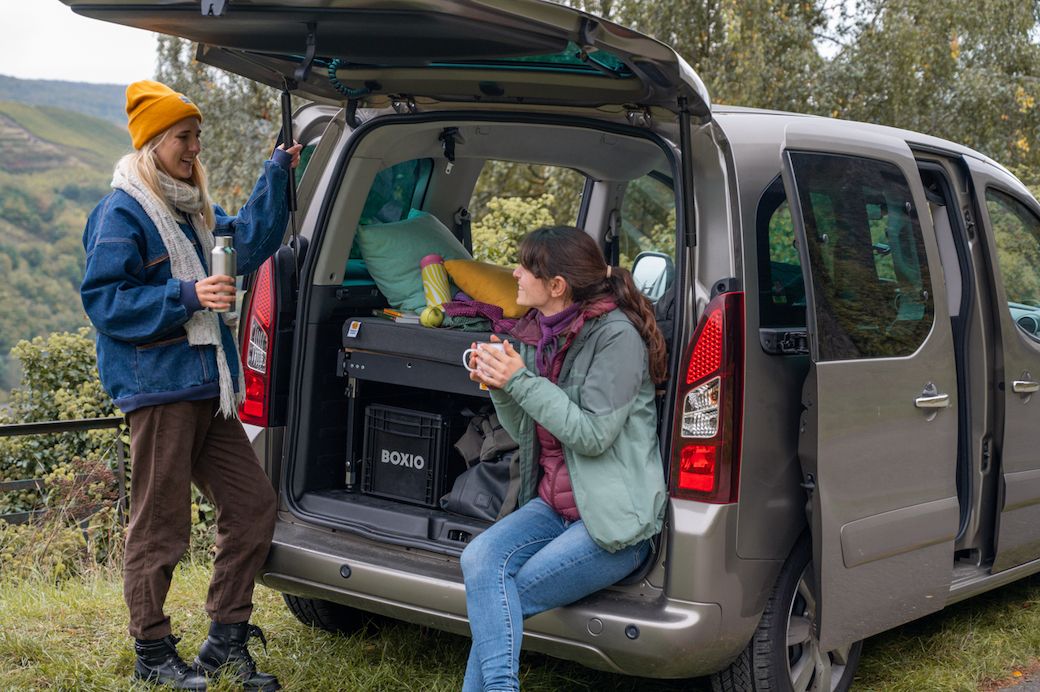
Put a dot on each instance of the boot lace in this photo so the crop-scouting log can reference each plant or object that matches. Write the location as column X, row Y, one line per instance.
column 173, row 658
column 255, row 631
column 241, row 648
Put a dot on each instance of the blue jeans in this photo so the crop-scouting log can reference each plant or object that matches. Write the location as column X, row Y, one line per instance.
column 531, row 561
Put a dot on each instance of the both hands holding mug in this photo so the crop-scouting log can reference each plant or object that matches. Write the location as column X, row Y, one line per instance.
column 493, row 363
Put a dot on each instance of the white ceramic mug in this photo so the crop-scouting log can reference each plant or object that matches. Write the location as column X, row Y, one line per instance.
column 469, row 351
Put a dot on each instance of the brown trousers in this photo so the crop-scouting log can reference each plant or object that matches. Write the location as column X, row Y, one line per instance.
column 173, row 445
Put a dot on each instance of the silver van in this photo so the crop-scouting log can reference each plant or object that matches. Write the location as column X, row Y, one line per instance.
column 853, row 314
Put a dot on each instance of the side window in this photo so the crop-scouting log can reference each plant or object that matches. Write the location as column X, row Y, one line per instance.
column 1016, row 231
column 510, row 199
column 305, row 159
column 871, row 283
column 647, row 219
column 781, row 289
column 396, row 191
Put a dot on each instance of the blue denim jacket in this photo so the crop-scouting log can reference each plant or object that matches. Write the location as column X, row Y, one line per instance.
column 139, row 309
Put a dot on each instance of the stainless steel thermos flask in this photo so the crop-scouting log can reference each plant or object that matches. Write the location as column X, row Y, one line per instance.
column 222, row 261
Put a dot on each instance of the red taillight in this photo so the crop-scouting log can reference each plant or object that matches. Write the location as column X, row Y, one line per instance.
column 697, row 467
column 257, row 347
column 707, row 349
column 706, row 448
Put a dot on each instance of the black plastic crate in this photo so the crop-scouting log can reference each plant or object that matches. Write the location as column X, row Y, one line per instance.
column 406, row 454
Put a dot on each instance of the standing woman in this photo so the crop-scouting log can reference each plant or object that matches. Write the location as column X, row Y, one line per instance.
column 172, row 367
column 579, row 399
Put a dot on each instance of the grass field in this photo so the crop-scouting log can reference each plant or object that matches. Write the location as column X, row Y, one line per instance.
column 72, row 637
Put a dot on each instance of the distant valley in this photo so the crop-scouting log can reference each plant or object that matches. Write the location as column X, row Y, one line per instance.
column 58, row 144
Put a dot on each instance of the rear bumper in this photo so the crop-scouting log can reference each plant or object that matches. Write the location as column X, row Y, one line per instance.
column 676, row 638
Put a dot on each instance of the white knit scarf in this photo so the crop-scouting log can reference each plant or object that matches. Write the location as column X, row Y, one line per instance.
column 203, row 327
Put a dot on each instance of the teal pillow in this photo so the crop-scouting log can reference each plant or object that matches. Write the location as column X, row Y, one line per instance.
column 392, row 252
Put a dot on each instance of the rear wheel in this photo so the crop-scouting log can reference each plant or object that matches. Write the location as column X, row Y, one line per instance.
column 784, row 654
column 326, row 615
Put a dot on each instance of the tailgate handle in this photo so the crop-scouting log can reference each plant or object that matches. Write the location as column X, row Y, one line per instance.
column 1025, row 386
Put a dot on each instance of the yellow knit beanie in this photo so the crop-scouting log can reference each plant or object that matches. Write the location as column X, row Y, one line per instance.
column 152, row 107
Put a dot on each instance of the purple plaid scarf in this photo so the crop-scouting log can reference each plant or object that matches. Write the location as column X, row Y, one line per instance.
column 542, row 332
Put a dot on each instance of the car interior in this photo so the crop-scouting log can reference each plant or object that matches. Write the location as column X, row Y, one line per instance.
column 385, row 386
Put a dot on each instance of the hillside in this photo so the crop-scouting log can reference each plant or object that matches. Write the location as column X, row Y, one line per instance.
column 55, row 165
column 34, row 138
column 104, row 101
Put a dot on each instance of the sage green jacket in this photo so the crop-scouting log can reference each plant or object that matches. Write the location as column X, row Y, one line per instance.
column 602, row 411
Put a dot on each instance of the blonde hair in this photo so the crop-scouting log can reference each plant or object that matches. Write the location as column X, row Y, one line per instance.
column 144, row 163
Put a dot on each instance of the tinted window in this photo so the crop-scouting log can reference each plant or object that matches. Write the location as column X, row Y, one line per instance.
column 396, row 191
column 781, row 290
column 305, row 159
column 870, row 274
column 1016, row 231
column 647, row 219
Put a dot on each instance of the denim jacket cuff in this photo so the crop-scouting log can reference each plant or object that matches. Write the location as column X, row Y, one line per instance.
column 282, row 158
column 189, row 298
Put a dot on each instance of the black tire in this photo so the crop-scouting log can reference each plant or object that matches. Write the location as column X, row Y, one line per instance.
column 768, row 664
column 326, row 615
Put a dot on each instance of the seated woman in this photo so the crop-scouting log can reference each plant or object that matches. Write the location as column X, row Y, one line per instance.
column 579, row 399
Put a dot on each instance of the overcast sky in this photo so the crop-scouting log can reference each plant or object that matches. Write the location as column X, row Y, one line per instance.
column 44, row 39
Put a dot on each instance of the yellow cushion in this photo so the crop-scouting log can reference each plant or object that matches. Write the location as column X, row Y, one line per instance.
column 488, row 283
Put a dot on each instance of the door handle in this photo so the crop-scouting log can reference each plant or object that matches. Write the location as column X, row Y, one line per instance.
column 1025, row 386
column 933, row 401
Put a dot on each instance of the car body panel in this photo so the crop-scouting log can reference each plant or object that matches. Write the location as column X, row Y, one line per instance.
column 884, row 508
column 678, row 637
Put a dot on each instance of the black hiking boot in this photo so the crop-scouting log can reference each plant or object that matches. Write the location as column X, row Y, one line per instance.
column 159, row 663
column 225, row 653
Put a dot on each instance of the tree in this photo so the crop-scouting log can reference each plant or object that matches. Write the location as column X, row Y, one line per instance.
column 497, row 233
column 240, row 119
column 758, row 53
column 511, row 199
column 962, row 70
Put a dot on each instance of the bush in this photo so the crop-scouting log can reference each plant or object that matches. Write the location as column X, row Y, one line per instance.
column 77, row 529
column 497, row 234
column 76, row 525
column 59, row 382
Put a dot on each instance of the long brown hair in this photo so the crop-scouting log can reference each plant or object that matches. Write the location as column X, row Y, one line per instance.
column 569, row 252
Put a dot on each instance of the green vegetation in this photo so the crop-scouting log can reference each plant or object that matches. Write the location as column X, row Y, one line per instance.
column 95, row 143
column 959, row 69
column 54, row 167
column 59, row 382
column 71, row 634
